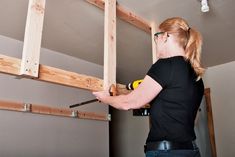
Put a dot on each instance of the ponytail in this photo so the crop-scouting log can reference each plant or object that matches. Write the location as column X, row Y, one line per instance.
column 193, row 51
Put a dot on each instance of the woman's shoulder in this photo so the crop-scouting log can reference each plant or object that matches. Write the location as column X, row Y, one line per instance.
column 169, row 60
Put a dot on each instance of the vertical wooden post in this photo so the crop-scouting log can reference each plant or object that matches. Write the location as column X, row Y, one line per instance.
column 32, row 38
column 110, row 44
column 154, row 48
column 210, row 122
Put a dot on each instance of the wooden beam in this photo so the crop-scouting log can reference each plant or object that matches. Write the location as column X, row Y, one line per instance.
column 32, row 38
column 125, row 15
column 154, row 47
column 6, row 105
column 67, row 78
column 11, row 66
column 133, row 19
column 110, row 44
column 47, row 110
column 210, row 122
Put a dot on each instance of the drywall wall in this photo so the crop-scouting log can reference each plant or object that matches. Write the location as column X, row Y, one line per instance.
column 26, row 134
column 221, row 81
column 128, row 134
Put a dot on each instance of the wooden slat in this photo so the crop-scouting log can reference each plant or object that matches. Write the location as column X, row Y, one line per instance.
column 154, row 47
column 67, row 78
column 32, row 38
column 39, row 109
column 210, row 122
column 11, row 106
column 10, row 65
column 133, row 19
column 47, row 110
column 126, row 15
column 110, row 44
column 207, row 91
column 94, row 116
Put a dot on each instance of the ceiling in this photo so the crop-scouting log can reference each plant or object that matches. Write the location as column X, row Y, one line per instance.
column 76, row 28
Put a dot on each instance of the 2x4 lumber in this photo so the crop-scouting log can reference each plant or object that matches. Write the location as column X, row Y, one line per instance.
column 32, row 38
column 67, row 78
column 125, row 15
column 210, row 122
column 110, row 43
column 47, row 110
column 11, row 66
column 154, row 47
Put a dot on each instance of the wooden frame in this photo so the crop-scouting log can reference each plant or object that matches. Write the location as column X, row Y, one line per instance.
column 29, row 66
column 11, row 65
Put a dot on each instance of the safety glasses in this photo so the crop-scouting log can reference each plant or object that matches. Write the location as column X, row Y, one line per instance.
column 157, row 34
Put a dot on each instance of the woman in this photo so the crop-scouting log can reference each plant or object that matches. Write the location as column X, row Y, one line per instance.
column 174, row 89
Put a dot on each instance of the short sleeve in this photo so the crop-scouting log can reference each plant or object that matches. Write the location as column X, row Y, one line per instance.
column 161, row 72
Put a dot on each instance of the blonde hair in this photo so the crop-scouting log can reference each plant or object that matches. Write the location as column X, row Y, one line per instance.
column 188, row 38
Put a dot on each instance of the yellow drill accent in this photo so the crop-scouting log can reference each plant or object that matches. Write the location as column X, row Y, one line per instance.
column 133, row 85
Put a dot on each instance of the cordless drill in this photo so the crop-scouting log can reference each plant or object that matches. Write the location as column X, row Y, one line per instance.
column 144, row 111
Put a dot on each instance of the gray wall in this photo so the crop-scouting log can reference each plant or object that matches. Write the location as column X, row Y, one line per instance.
column 128, row 134
column 221, row 81
column 26, row 134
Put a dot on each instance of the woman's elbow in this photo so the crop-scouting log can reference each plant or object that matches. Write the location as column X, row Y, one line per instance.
column 125, row 107
column 131, row 105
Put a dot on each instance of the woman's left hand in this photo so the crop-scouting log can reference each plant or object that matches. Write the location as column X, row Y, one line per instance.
column 102, row 96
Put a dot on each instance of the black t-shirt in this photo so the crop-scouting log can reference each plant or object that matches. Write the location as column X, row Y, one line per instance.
column 174, row 109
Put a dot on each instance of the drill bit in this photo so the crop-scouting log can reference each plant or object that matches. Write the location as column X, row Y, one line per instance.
column 83, row 103
column 112, row 92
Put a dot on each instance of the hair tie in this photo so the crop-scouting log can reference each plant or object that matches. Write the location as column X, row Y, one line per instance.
column 189, row 29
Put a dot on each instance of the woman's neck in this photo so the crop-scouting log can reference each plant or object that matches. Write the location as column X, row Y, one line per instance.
column 171, row 51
